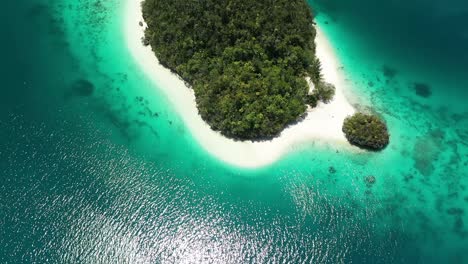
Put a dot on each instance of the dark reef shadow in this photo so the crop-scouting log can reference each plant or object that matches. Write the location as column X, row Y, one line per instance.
column 82, row 87
column 389, row 72
column 422, row 90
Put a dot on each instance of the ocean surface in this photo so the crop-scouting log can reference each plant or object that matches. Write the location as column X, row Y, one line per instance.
column 97, row 167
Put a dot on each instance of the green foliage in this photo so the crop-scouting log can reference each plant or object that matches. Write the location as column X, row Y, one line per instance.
column 245, row 60
column 324, row 91
column 315, row 70
column 366, row 131
column 312, row 100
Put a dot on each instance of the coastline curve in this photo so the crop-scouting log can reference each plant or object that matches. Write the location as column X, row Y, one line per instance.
column 321, row 124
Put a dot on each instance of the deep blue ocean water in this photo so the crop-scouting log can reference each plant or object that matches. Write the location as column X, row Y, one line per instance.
column 98, row 168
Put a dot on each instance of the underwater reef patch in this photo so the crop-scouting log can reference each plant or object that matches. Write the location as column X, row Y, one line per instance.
column 422, row 90
column 425, row 153
column 369, row 180
column 389, row 72
column 82, row 87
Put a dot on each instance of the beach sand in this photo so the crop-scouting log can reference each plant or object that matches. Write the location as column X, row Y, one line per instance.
column 321, row 125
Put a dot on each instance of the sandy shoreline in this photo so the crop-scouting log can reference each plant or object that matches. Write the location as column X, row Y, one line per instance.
column 322, row 124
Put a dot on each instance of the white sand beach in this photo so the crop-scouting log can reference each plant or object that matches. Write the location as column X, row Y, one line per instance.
column 321, row 125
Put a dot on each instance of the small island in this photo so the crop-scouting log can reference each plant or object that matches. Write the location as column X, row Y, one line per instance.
column 255, row 144
column 248, row 62
column 366, row 131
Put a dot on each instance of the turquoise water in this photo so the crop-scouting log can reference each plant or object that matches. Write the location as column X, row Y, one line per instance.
column 98, row 168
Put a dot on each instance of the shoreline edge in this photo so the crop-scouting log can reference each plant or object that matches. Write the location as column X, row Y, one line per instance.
column 322, row 124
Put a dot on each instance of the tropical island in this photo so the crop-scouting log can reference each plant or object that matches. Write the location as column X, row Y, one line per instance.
column 326, row 106
column 248, row 62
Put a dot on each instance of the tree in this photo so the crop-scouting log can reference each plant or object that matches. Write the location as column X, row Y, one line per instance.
column 324, row 91
column 366, row 131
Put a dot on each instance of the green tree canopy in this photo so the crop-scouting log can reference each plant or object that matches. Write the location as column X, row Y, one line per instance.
column 246, row 60
column 366, row 131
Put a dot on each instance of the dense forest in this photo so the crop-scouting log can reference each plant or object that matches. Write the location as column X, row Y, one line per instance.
column 246, row 60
